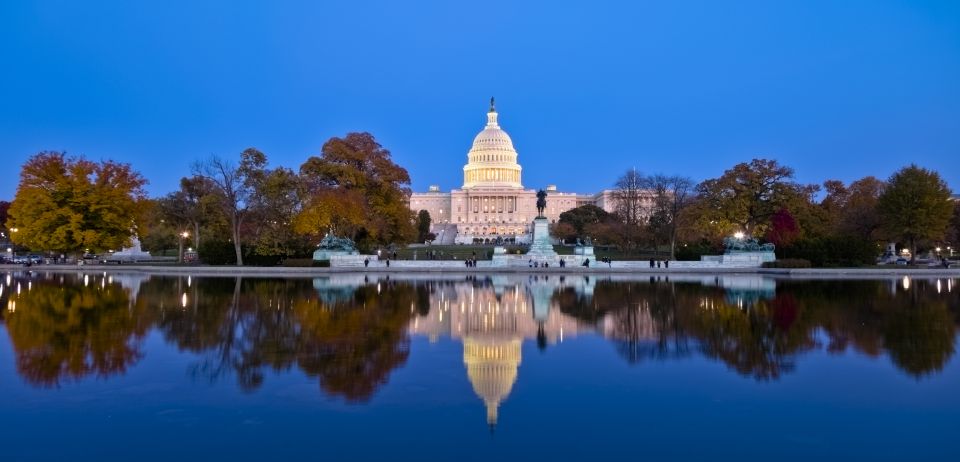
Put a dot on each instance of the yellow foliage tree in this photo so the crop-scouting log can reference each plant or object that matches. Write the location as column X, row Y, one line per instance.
column 70, row 204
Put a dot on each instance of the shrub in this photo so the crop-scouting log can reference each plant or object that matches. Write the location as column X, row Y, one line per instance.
column 693, row 251
column 788, row 263
column 217, row 253
column 832, row 251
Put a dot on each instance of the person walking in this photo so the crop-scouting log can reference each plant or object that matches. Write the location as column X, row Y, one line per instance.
column 651, row 263
column 366, row 262
column 666, row 263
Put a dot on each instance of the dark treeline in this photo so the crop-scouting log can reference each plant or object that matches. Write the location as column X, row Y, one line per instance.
column 833, row 224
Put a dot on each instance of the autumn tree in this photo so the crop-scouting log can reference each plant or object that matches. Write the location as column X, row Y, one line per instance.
column 852, row 210
column 745, row 197
column 354, row 189
column 563, row 231
column 69, row 204
column 915, row 206
column 783, row 229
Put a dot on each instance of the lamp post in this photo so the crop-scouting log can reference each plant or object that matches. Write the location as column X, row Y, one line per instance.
column 182, row 236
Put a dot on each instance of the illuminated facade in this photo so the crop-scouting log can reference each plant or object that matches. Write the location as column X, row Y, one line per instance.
column 492, row 201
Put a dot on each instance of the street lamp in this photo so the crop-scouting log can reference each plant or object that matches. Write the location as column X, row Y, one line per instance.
column 738, row 235
column 182, row 236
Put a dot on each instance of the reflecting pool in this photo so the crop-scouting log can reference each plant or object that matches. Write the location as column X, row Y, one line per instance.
column 111, row 366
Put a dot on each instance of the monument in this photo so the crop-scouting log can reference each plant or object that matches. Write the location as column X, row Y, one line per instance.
column 133, row 253
column 748, row 247
column 541, row 247
column 332, row 246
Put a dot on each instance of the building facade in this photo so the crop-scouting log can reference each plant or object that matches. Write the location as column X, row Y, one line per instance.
column 492, row 203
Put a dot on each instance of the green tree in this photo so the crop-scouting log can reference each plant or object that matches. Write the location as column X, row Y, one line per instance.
column 953, row 236
column 274, row 203
column 579, row 218
column 200, row 206
column 915, row 207
column 70, row 204
column 423, row 225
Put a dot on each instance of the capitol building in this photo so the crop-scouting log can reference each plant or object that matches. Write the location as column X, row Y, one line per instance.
column 492, row 202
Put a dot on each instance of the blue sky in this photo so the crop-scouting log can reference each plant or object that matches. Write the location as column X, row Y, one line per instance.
column 587, row 90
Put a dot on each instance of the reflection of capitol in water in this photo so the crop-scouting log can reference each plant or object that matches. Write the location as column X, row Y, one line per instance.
column 492, row 318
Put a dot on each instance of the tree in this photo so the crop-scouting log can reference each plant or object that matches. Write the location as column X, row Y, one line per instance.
column 4, row 214
column 70, row 204
column 232, row 187
column 423, row 225
column 631, row 204
column 783, row 229
column 580, row 217
column 953, row 236
column 356, row 189
column 200, row 204
column 852, row 211
column 915, row 206
column 273, row 205
column 563, row 231
column 672, row 194
column 745, row 197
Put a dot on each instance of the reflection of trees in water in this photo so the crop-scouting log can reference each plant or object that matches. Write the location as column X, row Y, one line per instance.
column 244, row 326
column 68, row 330
column 353, row 347
column 751, row 340
column 65, row 331
column 659, row 320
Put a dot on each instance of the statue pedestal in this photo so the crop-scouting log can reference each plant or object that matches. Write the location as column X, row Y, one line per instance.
column 540, row 247
column 133, row 253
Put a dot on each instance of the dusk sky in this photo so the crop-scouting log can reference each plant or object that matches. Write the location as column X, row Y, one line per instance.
column 587, row 90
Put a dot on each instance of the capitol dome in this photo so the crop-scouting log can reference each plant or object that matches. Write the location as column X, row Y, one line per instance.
column 492, row 161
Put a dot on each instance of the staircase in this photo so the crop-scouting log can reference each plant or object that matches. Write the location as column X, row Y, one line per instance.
column 445, row 232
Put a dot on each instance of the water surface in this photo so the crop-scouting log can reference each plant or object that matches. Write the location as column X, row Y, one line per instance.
column 528, row 367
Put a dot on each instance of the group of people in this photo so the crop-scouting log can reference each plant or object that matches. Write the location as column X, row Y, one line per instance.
column 537, row 264
column 470, row 262
column 666, row 263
